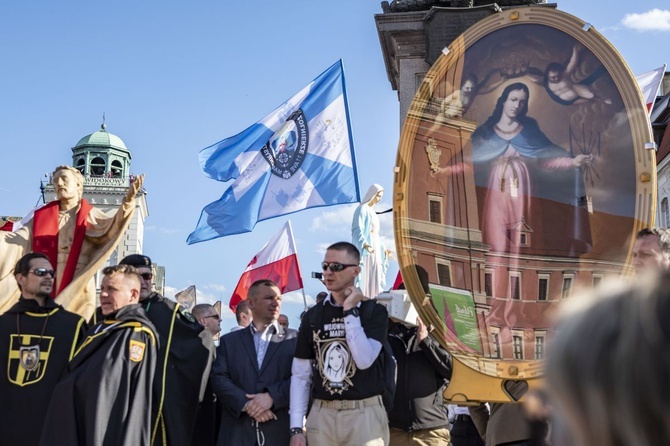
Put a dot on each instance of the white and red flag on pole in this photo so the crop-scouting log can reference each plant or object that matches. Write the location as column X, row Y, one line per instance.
column 277, row 261
column 649, row 83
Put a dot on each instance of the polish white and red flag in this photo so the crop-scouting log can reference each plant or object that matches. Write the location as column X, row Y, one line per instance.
column 649, row 83
column 277, row 261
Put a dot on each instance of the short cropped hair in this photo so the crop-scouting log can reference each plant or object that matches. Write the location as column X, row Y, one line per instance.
column 242, row 308
column 127, row 270
column 350, row 249
column 259, row 283
column 200, row 310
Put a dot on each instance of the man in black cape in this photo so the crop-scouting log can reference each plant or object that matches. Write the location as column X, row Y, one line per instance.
column 184, row 360
column 104, row 398
column 37, row 339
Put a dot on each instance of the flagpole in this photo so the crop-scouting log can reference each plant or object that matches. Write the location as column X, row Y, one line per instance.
column 290, row 233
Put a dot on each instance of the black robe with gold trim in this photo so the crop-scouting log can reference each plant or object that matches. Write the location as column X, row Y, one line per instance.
column 25, row 395
column 184, row 360
column 105, row 396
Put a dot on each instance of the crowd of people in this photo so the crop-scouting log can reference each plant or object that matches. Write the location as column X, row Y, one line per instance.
column 144, row 371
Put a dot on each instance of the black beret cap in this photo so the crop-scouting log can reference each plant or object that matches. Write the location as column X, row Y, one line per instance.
column 136, row 260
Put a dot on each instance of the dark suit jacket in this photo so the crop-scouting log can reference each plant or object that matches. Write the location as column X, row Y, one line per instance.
column 235, row 373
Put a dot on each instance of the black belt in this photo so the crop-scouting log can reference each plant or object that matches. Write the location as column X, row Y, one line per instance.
column 465, row 418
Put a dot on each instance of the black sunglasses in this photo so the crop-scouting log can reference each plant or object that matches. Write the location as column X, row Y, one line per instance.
column 336, row 266
column 146, row 276
column 213, row 315
column 41, row 272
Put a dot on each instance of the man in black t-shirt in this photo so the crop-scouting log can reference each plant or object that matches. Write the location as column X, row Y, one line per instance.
column 348, row 378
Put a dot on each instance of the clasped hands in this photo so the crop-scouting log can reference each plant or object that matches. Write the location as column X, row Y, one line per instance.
column 258, row 407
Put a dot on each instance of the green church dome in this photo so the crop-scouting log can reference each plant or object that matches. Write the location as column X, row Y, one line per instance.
column 101, row 138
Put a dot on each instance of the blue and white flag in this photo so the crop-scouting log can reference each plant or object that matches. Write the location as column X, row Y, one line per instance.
column 299, row 156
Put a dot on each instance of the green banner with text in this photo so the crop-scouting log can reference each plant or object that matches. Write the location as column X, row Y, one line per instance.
column 457, row 309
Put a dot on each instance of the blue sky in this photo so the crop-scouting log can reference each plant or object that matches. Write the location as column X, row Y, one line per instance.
column 174, row 77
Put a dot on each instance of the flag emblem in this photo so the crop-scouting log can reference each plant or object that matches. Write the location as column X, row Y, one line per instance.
column 286, row 149
column 28, row 357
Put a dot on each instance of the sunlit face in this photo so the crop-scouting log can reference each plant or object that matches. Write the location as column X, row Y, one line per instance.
column 211, row 321
column 34, row 286
column 340, row 280
column 117, row 291
column 515, row 102
column 265, row 304
column 66, row 185
column 648, row 254
column 146, row 281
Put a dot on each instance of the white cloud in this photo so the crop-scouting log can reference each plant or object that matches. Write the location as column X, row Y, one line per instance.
column 296, row 297
column 170, row 292
column 337, row 221
column 160, row 229
column 653, row 20
column 214, row 286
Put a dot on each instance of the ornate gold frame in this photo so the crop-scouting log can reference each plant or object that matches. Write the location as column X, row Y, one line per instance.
column 469, row 382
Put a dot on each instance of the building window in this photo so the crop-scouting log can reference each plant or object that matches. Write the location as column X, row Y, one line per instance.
column 515, row 285
column 567, row 285
column 495, row 342
column 81, row 166
column 597, row 278
column 542, row 286
column 523, row 239
column 444, row 273
column 435, row 209
column 517, row 344
column 117, row 169
column 665, row 213
column 488, row 283
column 98, row 167
column 540, row 337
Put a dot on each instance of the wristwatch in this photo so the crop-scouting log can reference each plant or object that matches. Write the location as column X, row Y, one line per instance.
column 295, row 431
column 351, row 311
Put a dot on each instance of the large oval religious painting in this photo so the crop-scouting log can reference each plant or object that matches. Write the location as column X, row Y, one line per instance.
column 524, row 170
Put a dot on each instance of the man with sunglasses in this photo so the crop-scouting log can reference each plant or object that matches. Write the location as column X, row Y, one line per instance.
column 207, row 316
column 185, row 357
column 207, row 423
column 37, row 339
column 345, row 345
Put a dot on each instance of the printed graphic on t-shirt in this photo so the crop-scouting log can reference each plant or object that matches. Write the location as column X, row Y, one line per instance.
column 333, row 358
